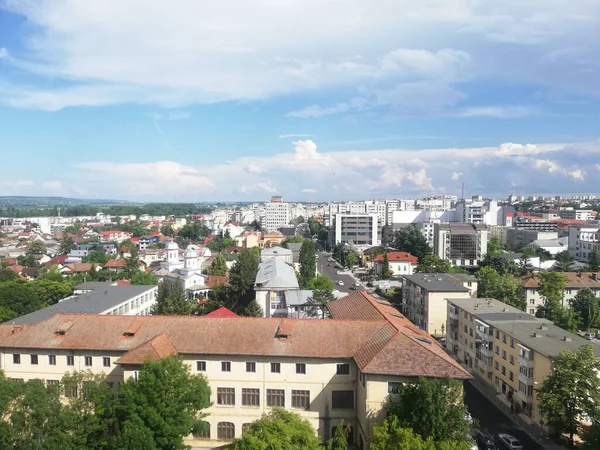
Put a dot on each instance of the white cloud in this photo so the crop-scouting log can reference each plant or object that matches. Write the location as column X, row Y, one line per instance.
column 293, row 135
column 3, row 52
column 315, row 111
column 501, row 112
column 259, row 187
column 309, row 191
column 546, row 164
column 456, row 176
column 577, row 174
column 510, row 149
column 420, row 179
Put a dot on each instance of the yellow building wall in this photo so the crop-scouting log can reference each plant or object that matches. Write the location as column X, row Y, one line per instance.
column 511, row 347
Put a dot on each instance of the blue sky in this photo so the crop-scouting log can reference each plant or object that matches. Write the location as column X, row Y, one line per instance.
column 309, row 99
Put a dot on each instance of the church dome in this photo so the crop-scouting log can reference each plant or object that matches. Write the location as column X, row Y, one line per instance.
column 172, row 246
column 191, row 252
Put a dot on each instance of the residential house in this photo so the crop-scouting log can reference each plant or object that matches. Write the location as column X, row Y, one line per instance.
column 114, row 236
column 400, row 263
column 552, row 246
column 424, row 297
column 324, row 370
column 507, row 349
column 248, row 239
column 270, row 239
column 145, row 241
column 115, row 265
column 81, row 250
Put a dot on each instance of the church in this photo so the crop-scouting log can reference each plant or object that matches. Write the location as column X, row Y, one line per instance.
column 188, row 269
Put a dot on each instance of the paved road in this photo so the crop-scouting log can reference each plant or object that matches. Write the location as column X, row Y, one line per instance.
column 493, row 420
column 330, row 269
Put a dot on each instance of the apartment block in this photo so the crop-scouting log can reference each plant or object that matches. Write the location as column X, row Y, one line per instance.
column 507, row 349
column 325, row 370
column 583, row 240
column 520, row 237
column 463, row 244
column 576, row 214
column 424, row 297
column 360, row 229
column 277, row 214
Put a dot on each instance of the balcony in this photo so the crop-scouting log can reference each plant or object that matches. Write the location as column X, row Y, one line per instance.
column 522, row 397
column 453, row 314
column 527, row 380
column 526, row 361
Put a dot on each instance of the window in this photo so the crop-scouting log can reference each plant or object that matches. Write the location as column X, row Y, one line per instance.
column 225, row 430
column 201, row 366
column 245, row 427
column 362, row 378
column 393, row 387
column 136, row 375
column 503, row 370
column 343, row 369
column 512, row 360
column 511, row 376
column 512, row 343
column 532, row 311
column 105, row 361
column 34, row 359
column 53, row 384
column 88, row 361
column 504, row 338
column 465, row 328
column 225, row 366
column 250, row 397
column 276, row 397
column 496, row 365
column 301, row 368
column 275, row 368
column 497, row 350
column 342, row 399
column 503, row 354
column 251, row 367
column 301, row 399
column 70, row 360
column 225, row 396
column 497, row 334
column 16, row 358
column 203, row 432
column 52, row 360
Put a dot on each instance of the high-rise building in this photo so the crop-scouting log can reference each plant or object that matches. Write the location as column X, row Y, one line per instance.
column 463, row 244
column 277, row 214
column 360, row 229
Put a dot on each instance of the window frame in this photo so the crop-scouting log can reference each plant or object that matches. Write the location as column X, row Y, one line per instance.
column 300, row 368
column 51, row 360
column 251, row 397
column 226, row 366
column 342, row 372
column 106, row 361
column 275, row 398
column 225, row 430
column 338, row 399
column 70, row 360
column 16, row 358
column 250, row 366
column 225, row 393
column 34, row 359
column 275, row 365
column 301, row 399
column 88, row 359
column 201, row 366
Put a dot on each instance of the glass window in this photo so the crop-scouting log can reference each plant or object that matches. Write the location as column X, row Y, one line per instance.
column 88, row 361
column 393, row 387
column 226, row 366
column 301, row 368
column 275, row 368
column 250, row 397
column 225, row 396
column 251, row 367
column 276, row 398
column 106, row 361
column 342, row 399
column 34, row 359
column 201, row 366
column 225, row 430
column 301, row 399
column 52, row 360
column 70, row 360
column 16, row 358
column 343, row 369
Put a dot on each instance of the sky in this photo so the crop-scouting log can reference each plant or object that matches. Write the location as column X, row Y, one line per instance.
column 314, row 100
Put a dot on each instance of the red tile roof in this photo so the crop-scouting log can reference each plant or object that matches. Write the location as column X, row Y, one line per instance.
column 221, row 312
column 79, row 267
column 156, row 349
column 211, row 280
column 575, row 280
column 398, row 256
column 123, row 283
column 115, row 264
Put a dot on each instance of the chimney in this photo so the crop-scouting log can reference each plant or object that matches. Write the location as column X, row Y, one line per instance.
column 579, row 274
column 543, row 327
column 567, row 339
column 594, row 276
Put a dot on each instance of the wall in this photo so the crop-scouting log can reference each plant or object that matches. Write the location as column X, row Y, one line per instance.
column 511, row 348
column 437, row 310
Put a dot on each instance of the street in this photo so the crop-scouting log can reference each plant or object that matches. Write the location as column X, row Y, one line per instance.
column 330, row 269
column 492, row 420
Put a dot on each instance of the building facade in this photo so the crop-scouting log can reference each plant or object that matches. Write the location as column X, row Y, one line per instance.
column 400, row 263
column 277, row 214
column 507, row 349
column 583, row 240
column 463, row 244
column 424, row 297
column 360, row 229
column 325, row 370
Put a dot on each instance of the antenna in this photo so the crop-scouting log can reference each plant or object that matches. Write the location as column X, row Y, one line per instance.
column 462, row 195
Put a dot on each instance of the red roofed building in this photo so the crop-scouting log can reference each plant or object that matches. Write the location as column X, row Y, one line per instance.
column 114, row 236
column 115, row 264
column 400, row 263
column 221, row 312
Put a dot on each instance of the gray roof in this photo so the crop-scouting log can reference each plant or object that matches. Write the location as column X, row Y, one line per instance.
column 95, row 302
column 540, row 335
column 276, row 251
column 440, row 282
column 511, row 256
column 276, row 273
column 558, row 242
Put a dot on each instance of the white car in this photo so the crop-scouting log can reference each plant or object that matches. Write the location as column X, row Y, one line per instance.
column 357, row 284
column 510, row 442
column 341, row 283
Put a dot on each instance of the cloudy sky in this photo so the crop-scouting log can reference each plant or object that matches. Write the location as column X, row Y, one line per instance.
column 309, row 99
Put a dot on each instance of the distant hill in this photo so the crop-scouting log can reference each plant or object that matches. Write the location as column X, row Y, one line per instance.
column 17, row 200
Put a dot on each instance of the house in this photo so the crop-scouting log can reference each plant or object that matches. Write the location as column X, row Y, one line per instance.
column 98, row 298
column 324, row 370
column 400, row 263
column 508, row 350
column 518, row 259
column 248, row 239
column 424, row 297
column 80, row 251
column 145, row 241
column 575, row 282
column 114, row 236
column 552, row 246
column 233, row 229
column 115, row 265
column 79, row 267
column 269, row 239
column 30, row 272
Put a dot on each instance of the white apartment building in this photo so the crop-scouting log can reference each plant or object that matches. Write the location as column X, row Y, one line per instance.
column 324, row 370
column 439, row 203
column 277, row 214
column 360, row 229
column 424, row 298
column 486, row 212
column 463, row 244
column 98, row 298
column 576, row 214
column 583, row 239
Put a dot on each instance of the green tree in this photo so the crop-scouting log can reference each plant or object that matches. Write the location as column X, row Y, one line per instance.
column 391, row 435
column 313, row 226
column 432, row 408
column 433, row 264
column 572, row 390
column 552, row 288
column 171, row 300
column 144, row 278
column 51, row 275
column 19, row 297
column 218, row 266
column 281, row 430
column 410, row 239
column 166, row 399
column 50, row 292
column 350, row 259
column 132, row 264
column 593, row 264
column 564, row 262
column 37, row 248
column 320, row 282
column 241, row 279
column 501, row 265
column 591, row 438
column 253, row 309
column 339, row 441
column 587, row 306
column 494, row 247
column 96, row 257
column 167, row 230
column 385, row 267
column 308, row 265
column 28, row 260
column 505, row 288
column 321, row 298
column 8, row 275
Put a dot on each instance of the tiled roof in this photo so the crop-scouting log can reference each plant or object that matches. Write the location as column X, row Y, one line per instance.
column 211, row 280
column 156, row 349
column 79, row 267
column 354, row 307
column 575, row 280
column 398, row 256
column 114, row 264
column 221, row 312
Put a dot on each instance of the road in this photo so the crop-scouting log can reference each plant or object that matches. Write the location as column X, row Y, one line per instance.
column 494, row 421
column 330, row 269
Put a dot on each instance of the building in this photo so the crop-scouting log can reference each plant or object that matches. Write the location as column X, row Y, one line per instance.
column 114, row 236
column 146, row 241
column 324, row 370
column 575, row 282
column 98, row 298
column 463, row 244
column 552, row 246
column 400, row 263
column 583, row 239
column 576, row 214
column 360, row 229
column 486, row 212
column 424, row 298
column 80, row 251
column 507, row 349
column 277, row 214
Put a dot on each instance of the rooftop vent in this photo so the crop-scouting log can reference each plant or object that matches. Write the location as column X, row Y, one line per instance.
column 505, row 309
column 537, row 335
column 567, row 339
column 129, row 334
column 543, row 327
column 422, row 339
column 282, row 331
column 60, row 332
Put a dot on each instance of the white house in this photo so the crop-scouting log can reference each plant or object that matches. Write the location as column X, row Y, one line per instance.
column 400, row 263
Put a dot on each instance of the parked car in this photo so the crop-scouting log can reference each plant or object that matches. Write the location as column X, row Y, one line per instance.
column 341, row 283
column 510, row 442
column 357, row 284
column 486, row 441
column 589, row 336
column 339, row 272
column 353, row 288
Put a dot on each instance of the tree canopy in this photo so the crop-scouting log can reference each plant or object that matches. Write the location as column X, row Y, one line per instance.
column 218, row 266
column 321, row 298
column 321, row 281
column 241, row 279
column 433, row 264
column 587, row 307
column 171, row 300
column 412, row 240
column 144, row 278
column 308, row 265
column 505, row 288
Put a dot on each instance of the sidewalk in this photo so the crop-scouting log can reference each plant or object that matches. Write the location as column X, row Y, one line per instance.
column 534, row 431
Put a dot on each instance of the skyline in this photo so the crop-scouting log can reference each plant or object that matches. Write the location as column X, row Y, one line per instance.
column 309, row 100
